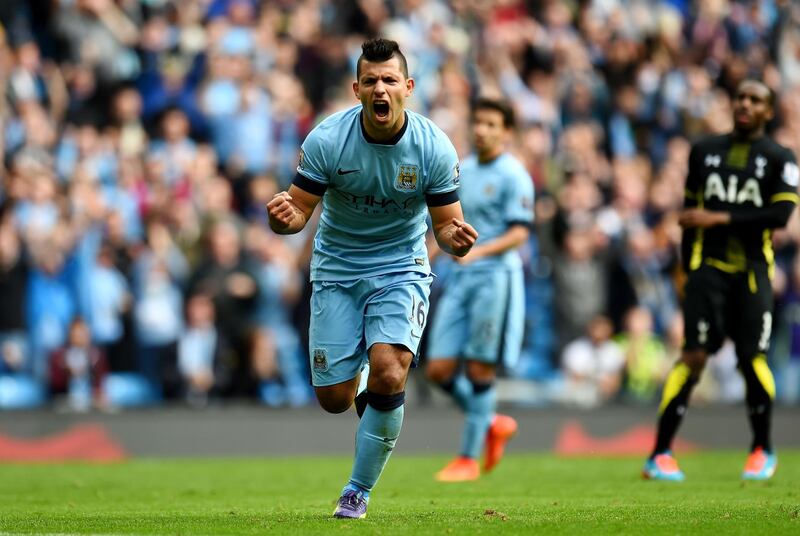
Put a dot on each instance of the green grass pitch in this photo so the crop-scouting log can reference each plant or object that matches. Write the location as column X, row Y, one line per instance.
column 527, row 494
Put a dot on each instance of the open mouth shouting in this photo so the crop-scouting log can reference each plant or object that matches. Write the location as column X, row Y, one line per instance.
column 381, row 110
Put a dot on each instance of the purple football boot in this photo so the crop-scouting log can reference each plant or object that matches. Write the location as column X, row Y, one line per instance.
column 351, row 505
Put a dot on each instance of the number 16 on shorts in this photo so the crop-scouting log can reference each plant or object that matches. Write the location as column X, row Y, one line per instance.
column 417, row 313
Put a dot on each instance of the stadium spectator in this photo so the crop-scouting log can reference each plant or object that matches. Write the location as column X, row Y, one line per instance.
column 280, row 289
column 37, row 215
column 174, row 150
column 640, row 276
column 14, row 355
column 27, row 82
column 788, row 367
column 646, row 363
column 158, row 274
column 126, row 121
column 580, row 273
column 50, row 305
column 78, row 369
column 593, row 366
column 203, row 353
column 228, row 276
column 108, row 300
column 85, row 152
column 98, row 33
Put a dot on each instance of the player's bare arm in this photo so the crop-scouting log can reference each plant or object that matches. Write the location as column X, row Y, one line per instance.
column 453, row 234
column 433, row 248
column 702, row 218
column 290, row 211
column 514, row 237
column 774, row 216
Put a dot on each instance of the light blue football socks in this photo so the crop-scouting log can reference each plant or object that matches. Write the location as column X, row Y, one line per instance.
column 375, row 439
column 460, row 390
column 480, row 411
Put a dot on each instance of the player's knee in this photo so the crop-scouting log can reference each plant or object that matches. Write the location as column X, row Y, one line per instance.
column 335, row 405
column 479, row 372
column 388, row 379
column 695, row 360
column 334, row 401
column 439, row 372
column 436, row 375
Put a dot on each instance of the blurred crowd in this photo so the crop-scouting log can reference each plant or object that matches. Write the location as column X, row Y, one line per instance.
column 141, row 140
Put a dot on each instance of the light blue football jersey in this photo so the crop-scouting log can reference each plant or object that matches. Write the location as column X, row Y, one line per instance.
column 494, row 196
column 374, row 210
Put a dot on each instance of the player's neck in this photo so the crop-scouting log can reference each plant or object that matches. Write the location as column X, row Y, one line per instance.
column 751, row 135
column 390, row 137
column 487, row 157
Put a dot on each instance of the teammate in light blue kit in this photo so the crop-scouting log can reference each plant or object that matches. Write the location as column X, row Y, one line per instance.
column 481, row 313
column 379, row 170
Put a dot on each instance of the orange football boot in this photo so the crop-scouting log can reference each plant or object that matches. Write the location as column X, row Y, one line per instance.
column 500, row 431
column 461, row 469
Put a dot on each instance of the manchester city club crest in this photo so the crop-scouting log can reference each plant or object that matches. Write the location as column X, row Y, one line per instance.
column 407, row 178
column 320, row 360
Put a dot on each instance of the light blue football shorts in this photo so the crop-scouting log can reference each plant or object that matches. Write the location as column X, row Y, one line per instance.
column 480, row 316
column 348, row 317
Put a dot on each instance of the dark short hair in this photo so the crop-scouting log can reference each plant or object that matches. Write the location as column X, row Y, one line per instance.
column 498, row 105
column 378, row 50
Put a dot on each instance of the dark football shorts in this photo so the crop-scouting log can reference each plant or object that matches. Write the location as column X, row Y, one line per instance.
column 719, row 304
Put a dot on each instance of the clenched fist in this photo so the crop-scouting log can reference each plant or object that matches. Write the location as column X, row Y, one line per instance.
column 463, row 237
column 281, row 211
